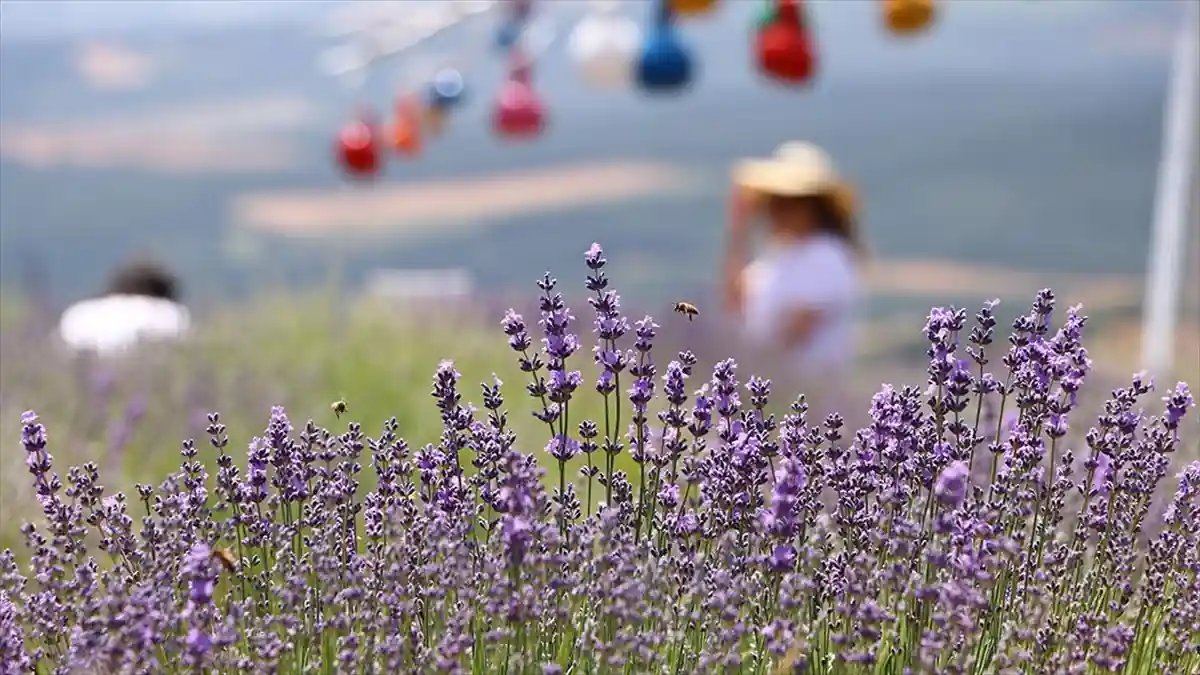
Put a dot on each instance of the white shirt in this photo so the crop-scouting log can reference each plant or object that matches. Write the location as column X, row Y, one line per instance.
column 817, row 273
column 114, row 323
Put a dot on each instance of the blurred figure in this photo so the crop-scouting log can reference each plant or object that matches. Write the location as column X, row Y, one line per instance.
column 140, row 303
column 799, row 295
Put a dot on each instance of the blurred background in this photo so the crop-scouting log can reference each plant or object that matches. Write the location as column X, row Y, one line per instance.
column 1013, row 146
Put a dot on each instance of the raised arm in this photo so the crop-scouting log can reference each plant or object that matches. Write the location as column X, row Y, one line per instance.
column 799, row 324
column 737, row 248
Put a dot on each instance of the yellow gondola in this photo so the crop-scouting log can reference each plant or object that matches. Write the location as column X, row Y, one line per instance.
column 908, row 17
column 692, row 7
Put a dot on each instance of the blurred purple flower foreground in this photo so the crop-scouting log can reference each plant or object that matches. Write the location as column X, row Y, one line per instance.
column 940, row 539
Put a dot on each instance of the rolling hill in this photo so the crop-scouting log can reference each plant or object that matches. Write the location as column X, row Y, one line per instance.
column 1014, row 137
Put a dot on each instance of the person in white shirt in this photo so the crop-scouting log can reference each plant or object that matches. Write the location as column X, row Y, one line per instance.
column 799, row 295
column 141, row 303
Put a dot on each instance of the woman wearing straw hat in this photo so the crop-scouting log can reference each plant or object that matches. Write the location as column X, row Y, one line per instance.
column 799, row 295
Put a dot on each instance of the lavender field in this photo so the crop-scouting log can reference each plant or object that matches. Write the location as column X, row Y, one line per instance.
column 587, row 491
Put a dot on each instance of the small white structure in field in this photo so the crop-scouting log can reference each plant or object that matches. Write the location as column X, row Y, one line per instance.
column 417, row 285
column 141, row 304
column 113, row 324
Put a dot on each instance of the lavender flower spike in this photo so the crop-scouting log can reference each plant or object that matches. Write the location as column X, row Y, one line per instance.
column 13, row 657
column 952, row 483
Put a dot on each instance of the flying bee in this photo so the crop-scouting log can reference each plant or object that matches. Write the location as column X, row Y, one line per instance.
column 338, row 407
column 226, row 558
column 687, row 309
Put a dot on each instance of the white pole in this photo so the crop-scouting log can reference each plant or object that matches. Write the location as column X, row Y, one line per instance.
column 1164, row 270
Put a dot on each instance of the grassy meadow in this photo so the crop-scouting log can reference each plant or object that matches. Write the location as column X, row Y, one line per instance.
column 305, row 351
column 302, row 352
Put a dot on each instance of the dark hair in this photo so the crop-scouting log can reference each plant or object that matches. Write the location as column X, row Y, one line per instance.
column 830, row 217
column 145, row 278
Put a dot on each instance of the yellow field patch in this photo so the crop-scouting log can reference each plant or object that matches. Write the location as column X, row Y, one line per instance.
column 231, row 136
column 1117, row 348
column 933, row 278
column 112, row 66
column 402, row 208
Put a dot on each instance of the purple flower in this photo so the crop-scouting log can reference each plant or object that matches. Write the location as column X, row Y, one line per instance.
column 781, row 519
column 953, row 532
column 562, row 384
column 37, row 458
column 673, row 384
column 559, row 342
column 199, row 570
column 646, row 330
column 518, row 335
column 595, row 257
column 122, row 430
column 783, row 558
column 952, row 483
column 641, row 393
column 198, row 643
column 1178, row 402
column 12, row 639
column 1101, row 478
column 1185, row 507
column 562, row 448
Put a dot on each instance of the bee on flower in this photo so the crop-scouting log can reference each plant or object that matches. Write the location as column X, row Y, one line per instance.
column 225, row 557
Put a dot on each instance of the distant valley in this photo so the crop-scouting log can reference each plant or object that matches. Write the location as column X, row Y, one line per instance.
column 1037, row 159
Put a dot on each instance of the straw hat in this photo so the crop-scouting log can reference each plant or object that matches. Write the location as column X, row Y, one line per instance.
column 797, row 169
